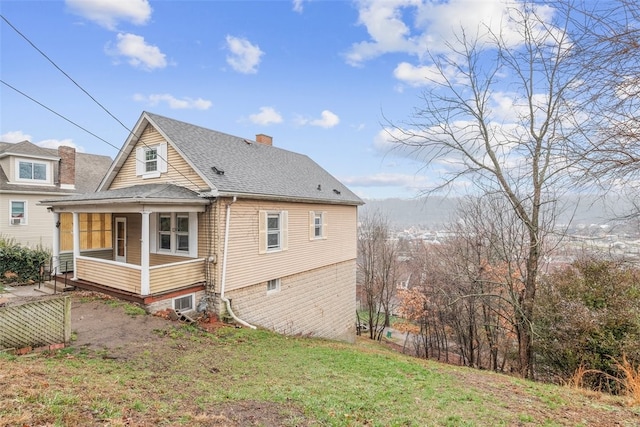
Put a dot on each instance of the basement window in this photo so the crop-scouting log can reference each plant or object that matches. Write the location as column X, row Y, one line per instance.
column 184, row 303
column 273, row 286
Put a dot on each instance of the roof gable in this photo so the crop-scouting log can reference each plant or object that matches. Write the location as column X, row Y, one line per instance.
column 238, row 166
column 27, row 149
column 89, row 168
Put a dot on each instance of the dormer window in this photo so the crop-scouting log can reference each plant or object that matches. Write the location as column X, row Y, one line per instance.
column 32, row 171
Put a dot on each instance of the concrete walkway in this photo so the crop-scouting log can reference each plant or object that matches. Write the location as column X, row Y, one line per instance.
column 28, row 291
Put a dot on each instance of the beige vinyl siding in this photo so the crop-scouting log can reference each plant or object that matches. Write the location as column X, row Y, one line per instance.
column 174, row 276
column 110, row 274
column 178, row 172
column 38, row 231
column 160, row 259
column 246, row 266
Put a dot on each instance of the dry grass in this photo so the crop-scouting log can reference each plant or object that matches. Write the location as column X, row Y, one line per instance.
column 629, row 381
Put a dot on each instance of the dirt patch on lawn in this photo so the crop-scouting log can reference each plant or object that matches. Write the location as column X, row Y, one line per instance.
column 101, row 324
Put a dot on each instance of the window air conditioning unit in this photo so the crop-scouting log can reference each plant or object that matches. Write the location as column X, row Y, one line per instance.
column 15, row 221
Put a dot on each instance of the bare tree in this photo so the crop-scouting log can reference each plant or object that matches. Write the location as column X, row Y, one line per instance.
column 377, row 271
column 518, row 153
column 609, row 55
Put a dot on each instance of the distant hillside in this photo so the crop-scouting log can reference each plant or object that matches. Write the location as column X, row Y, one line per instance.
column 434, row 212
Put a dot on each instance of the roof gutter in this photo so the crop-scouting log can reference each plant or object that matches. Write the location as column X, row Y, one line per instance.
column 292, row 199
column 224, row 268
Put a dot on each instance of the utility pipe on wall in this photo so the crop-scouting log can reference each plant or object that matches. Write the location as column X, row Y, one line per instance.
column 224, row 268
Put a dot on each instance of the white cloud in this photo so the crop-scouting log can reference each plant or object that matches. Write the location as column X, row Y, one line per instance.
column 417, row 76
column 15, row 136
column 266, row 116
column 139, row 53
column 388, row 32
column 173, row 102
column 55, row 143
column 433, row 24
column 327, row 120
column 244, row 57
column 386, row 180
column 107, row 13
column 19, row 136
column 297, row 6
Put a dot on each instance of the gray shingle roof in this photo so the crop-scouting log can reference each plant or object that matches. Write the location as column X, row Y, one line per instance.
column 251, row 168
column 90, row 168
column 142, row 193
column 26, row 148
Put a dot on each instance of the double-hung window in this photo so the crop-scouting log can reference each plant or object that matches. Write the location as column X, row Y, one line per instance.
column 182, row 232
column 175, row 233
column 164, row 231
column 151, row 160
column 273, row 231
column 18, row 212
column 317, row 225
column 32, row 171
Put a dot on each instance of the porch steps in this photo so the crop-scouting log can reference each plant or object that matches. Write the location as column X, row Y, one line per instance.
column 58, row 286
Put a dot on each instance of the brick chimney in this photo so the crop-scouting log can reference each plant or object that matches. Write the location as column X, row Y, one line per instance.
column 67, row 168
column 261, row 138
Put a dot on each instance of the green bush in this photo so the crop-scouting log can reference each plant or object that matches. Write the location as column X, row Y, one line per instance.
column 588, row 317
column 20, row 264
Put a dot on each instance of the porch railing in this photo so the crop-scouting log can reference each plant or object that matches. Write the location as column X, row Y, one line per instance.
column 175, row 275
column 127, row 277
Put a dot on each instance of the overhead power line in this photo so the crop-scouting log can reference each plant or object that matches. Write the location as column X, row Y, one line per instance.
column 90, row 96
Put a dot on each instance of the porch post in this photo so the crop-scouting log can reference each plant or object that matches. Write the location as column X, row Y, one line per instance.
column 145, row 288
column 55, row 260
column 76, row 243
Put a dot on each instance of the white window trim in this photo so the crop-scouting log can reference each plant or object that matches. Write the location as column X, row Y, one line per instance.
column 154, row 233
column 323, row 226
column 274, row 290
column 161, row 159
column 47, row 166
column 263, row 231
column 24, row 220
column 193, row 301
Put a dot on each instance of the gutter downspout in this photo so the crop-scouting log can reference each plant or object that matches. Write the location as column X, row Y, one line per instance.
column 224, row 268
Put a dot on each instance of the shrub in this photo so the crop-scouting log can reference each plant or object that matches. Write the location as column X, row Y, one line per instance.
column 588, row 317
column 20, row 264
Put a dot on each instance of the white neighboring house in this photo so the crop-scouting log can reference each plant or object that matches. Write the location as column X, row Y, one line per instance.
column 28, row 174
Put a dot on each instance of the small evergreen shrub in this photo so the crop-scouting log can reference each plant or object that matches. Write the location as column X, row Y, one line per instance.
column 20, row 264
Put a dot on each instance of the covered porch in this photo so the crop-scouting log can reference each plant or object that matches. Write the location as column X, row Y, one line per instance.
column 152, row 246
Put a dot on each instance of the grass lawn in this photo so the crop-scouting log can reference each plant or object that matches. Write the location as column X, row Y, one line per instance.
column 242, row 377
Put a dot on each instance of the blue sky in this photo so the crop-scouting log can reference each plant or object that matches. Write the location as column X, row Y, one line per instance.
column 318, row 76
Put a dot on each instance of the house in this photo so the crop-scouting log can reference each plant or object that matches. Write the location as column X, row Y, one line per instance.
column 205, row 219
column 29, row 173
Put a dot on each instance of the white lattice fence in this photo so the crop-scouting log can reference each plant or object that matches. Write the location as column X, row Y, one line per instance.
column 35, row 323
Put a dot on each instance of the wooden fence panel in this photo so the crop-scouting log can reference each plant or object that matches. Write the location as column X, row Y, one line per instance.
column 35, row 323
